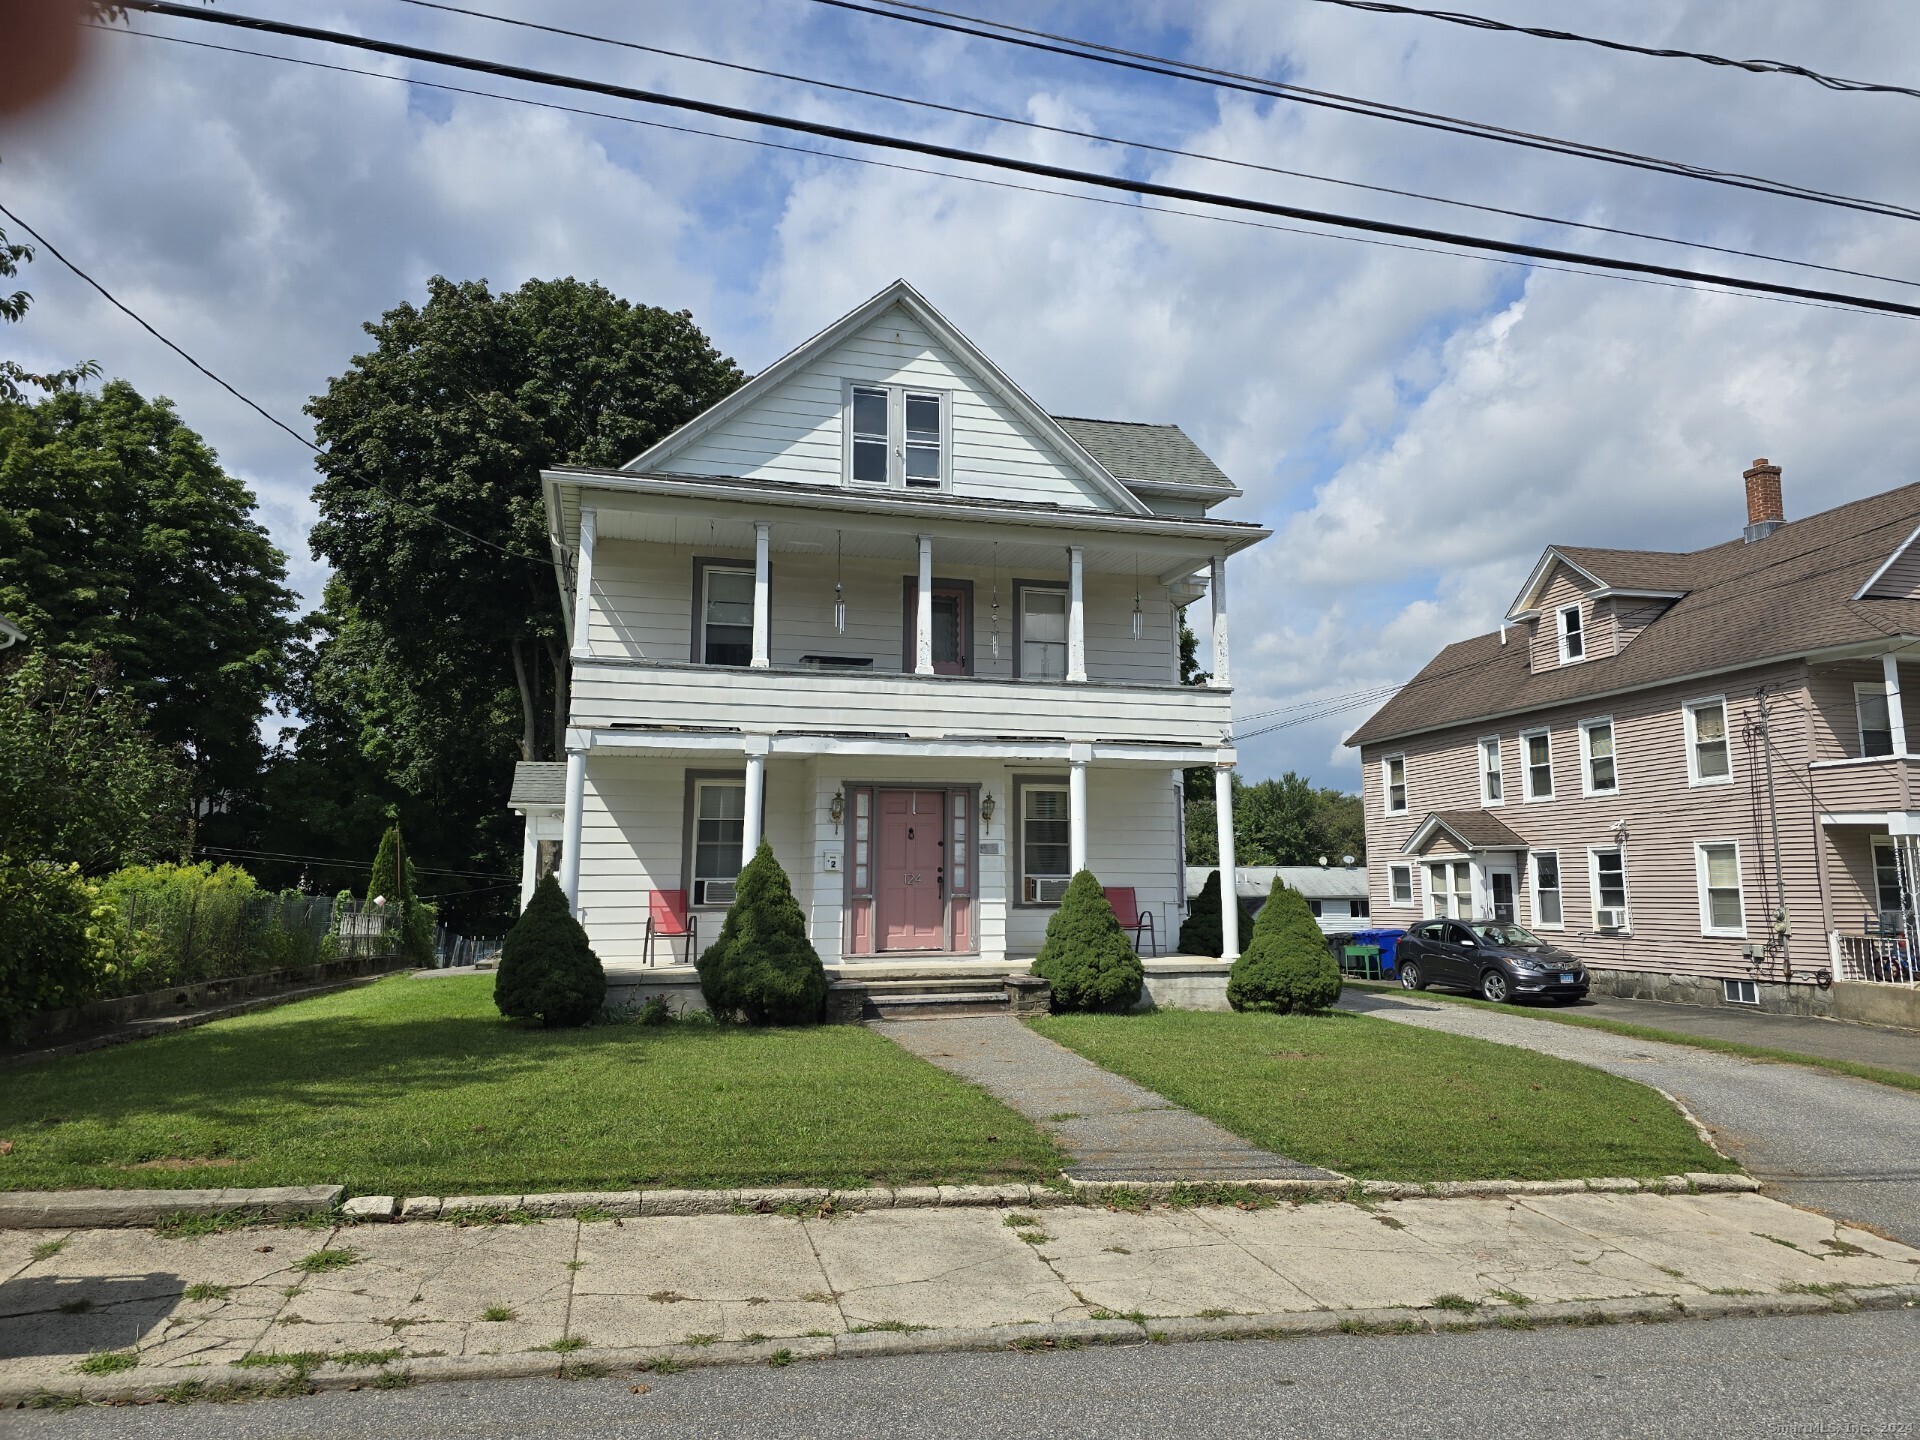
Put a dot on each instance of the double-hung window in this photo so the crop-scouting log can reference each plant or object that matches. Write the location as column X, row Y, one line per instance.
column 1490, row 782
column 1573, row 636
column 1876, row 724
column 1043, row 633
column 1536, row 749
column 1547, row 914
column 1393, row 780
column 1708, row 760
column 1722, row 907
column 1598, row 775
column 1450, row 889
column 1400, row 884
column 1046, row 844
column 1609, row 879
column 898, row 435
column 726, row 616
column 719, row 822
column 1886, row 883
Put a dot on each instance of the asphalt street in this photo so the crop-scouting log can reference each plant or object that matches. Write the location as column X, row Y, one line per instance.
column 1848, row 1148
column 1823, row 1375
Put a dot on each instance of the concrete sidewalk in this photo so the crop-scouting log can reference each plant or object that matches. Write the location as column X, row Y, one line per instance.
column 441, row 1300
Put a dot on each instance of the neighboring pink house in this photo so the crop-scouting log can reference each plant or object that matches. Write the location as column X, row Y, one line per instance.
column 1693, row 769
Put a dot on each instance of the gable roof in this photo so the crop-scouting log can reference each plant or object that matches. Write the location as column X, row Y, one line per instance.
column 1788, row 595
column 538, row 785
column 1151, row 454
column 1470, row 829
column 1658, row 572
column 899, row 293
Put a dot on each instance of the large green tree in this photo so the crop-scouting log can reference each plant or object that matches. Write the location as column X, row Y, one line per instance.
column 15, row 378
column 1283, row 821
column 121, row 536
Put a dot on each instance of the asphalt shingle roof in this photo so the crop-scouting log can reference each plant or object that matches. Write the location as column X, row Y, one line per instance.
column 538, row 784
column 1783, row 596
column 1478, row 829
column 1135, row 451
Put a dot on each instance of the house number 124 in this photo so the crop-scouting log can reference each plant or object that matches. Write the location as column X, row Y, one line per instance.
column 913, row 877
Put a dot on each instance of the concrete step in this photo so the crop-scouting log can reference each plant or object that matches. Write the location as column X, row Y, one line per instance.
column 938, row 985
column 935, row 1005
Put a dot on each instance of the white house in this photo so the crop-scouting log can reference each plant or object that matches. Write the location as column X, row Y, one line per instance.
column 1337, row 894
column 881, row 609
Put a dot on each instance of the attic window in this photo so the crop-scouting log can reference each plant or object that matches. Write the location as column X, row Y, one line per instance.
column 1573, row 640
column 898, row 436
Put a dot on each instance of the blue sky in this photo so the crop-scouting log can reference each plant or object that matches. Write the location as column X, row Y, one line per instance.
column 1415, row 426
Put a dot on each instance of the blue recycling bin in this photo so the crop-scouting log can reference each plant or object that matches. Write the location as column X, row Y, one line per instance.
column 1385, row 940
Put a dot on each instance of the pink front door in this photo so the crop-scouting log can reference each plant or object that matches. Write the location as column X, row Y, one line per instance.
column 911, row 893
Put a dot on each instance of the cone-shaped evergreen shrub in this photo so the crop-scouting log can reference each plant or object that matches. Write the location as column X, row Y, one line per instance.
column 1086, row 956
column 763, row 966
column 1287, row 967
column 547, row 970
column 1201, row 933
column 387, row 878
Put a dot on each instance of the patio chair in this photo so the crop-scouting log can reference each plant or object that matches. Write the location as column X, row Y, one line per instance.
column 1134, row 920
column 667, row 919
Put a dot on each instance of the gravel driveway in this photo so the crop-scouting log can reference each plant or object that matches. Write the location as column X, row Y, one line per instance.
column 1847, row 1147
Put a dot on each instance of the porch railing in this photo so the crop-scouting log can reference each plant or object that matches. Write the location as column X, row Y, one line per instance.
column 1879, row 959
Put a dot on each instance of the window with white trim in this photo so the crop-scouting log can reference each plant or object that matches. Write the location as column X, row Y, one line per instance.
column 1450, row 889
column 1046, row 844
column 1547, row 913
column 1573, row 636
column 1393, row 783
column 1722, row 906
column 1536, row 750
column 1709, row 761
column 1598, row 773
column 1360, row 909
column 1400, row 884
column 1886, row 879
column 1043, row 633
column 898, row 435
column 726, row 616
column 1490, row 780
column 1876, row 723
column 1608, row 876
column 719, row 825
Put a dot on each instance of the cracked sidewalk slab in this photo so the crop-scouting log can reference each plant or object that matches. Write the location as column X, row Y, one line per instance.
column 433, row 1298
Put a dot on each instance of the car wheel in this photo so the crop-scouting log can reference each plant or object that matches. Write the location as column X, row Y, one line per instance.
column 1410, row 976
column 1494, row 987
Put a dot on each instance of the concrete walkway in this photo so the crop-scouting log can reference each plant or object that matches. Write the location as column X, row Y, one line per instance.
column 1848, row 1147
column 1113, row 1128
column 1829, row 1039
column 448, row 1302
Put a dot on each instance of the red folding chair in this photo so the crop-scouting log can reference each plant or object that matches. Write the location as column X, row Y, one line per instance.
column 667, row 919
column 1126, row 909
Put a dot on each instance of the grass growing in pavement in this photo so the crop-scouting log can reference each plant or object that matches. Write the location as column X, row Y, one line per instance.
column 419, row 1087
column 1899, row 1079
column 1378, row 1100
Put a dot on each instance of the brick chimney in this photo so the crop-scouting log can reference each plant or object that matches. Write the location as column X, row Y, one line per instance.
column 1766, row 511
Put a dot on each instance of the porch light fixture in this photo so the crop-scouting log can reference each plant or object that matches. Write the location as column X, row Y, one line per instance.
column 839, row 613
column 993, row 631
column 1139, row 620
column 986, row 812
column 836, row 808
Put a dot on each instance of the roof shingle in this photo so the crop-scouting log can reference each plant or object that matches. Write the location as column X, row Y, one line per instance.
column 1133, row 450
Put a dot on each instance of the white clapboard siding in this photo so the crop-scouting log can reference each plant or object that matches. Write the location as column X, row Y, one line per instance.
column 1133, row 838
column 794, row 433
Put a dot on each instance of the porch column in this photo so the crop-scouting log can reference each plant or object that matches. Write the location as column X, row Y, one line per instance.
column 1229, row 884
column 1076, row 615
column 1219, row 676
column 570, row 838
column 1896, row 716
column 923, row 612
column 529, row 860
column 583, row 590
column 753, row 823
column 1077, row 758
column 761, row 656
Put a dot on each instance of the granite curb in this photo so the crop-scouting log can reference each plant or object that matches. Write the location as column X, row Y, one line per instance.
column 221, row 1382
column 104, row 1209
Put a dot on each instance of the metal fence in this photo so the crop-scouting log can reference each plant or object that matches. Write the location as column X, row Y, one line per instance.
column 450, row 949
column 175, row 937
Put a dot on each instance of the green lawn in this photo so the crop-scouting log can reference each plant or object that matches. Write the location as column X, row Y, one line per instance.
column 1383, row 1101
column 419, row 1087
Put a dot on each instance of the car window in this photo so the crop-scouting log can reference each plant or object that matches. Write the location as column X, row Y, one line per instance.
column 1460, row 935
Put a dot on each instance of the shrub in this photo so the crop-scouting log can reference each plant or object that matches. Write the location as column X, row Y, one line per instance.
column 391, row 879
column 1201, row 933
column 56, row 931
column 762, row 965
column 548, row 970
column 1086, row 956
column 1287, row 967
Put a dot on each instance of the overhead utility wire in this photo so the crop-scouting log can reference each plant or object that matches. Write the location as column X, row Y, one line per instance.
column 1028, row 167
column 1145, row 145
column 873, row 163
column 1192, row 72
column 1757, row 67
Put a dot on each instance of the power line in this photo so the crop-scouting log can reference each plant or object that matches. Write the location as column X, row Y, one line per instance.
column 1192, row 72
column 1028, row 167
column 1145, row 145
column 1757, row 67
column 877, row 164
column 344, row 864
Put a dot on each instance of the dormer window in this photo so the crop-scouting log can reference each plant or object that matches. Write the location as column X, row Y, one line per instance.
column 898, row 436
column 1573, row 640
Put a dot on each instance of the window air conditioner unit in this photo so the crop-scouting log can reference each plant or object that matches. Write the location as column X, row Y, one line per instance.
column 714, row 892
column 1046, row 891
column 1610, row 919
